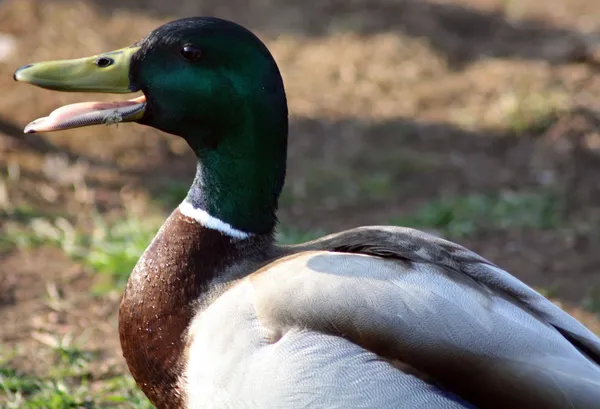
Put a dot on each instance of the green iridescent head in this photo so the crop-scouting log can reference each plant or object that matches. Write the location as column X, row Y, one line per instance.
column 208, row 80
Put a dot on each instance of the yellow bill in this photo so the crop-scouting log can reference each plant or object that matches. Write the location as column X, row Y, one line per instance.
column 108, row 72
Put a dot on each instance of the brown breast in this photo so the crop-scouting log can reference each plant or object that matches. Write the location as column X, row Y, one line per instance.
column 160, row 300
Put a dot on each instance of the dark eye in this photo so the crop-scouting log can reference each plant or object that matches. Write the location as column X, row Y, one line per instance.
column 104, row 62
column 191, row 53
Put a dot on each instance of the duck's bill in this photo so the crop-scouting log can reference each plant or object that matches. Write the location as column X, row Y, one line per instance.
column 107, row 72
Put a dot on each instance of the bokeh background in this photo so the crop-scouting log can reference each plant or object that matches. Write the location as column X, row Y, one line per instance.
column 478, row 120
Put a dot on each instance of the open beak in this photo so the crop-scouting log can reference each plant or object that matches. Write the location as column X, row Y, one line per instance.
column 108, row 72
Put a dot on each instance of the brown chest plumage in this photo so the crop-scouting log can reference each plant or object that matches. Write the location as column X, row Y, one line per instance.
column 160, row 301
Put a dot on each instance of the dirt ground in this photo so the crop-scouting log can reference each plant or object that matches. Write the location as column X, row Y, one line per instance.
column 435, row 98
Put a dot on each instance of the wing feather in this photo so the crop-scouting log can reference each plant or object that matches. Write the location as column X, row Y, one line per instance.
column 479, row 332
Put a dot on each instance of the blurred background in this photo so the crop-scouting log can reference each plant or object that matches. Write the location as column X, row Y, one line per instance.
column 478, row 120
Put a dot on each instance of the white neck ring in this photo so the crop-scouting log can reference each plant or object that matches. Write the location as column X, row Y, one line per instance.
column 211, row 222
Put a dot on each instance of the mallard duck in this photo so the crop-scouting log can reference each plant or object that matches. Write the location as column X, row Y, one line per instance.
column 216, row 314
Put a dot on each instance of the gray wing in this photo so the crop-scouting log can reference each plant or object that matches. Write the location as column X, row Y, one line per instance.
column 470, row 327
column 419, row 247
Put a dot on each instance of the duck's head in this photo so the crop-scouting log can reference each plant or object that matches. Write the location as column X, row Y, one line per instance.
column 208, row 80
column 198, row 75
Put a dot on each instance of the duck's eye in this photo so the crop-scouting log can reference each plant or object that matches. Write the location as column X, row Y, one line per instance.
column 191, row 53
column 104, row 62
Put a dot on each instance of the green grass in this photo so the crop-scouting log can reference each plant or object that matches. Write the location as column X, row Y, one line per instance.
column 467, row 215
column 108, row 248
column 67, row 385
column 114, row 248
column 21, row 213
column 27, row 392
column 71, row 360
column 11, row 382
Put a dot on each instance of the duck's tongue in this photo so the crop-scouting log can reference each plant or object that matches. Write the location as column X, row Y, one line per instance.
column 89, row 113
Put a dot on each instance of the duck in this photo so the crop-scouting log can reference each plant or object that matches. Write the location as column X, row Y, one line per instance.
column 216, row 314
